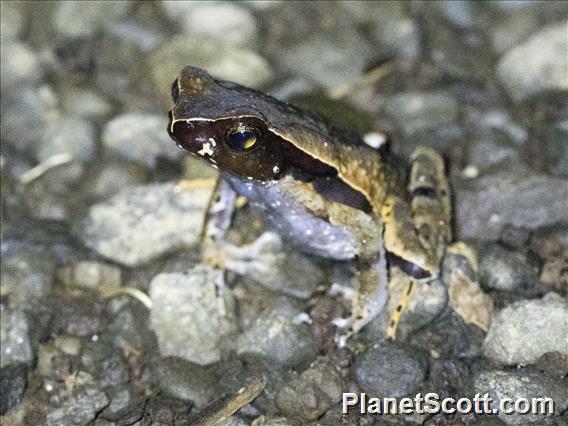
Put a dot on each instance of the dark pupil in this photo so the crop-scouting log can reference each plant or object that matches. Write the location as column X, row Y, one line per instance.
column 241, row 140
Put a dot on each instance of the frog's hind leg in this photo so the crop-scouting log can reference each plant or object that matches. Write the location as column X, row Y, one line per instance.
column 431, row 204
column 429, row 216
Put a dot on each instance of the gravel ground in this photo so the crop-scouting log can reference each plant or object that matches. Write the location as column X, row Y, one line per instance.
column 107, row 317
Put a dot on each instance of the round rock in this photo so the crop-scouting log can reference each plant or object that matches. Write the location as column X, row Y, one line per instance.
column 390, row 370
column 537, row 65
column 277, row 340
column 144, row 223
column 192, row 314
column 527, row 329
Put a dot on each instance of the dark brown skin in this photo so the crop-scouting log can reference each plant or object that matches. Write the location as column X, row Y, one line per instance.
column 289, row 137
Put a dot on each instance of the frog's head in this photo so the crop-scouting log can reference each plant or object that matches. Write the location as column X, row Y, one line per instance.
column 221, row 123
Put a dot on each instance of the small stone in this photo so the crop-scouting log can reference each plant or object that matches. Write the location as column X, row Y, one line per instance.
column 222, row 61
column 516, row 196
column 422, row 111
column 277, row 340
column 15, row 345
column 390, row 25
column 311, row 394
column 228, row 22
column 85, row 103
column 553, row 364
column 525, row 330
column 72, row 19
column 91, row 275
column 81, row 408
column 24, row 112
column 120, row 399
column 72, row 136
column 517, row 385
column 192, row 314
column 11, row 21
column 13, row 380
column 513, row 30
column 19, row 65
column 537, row 65
column 27, row 271
column 78, row 316
column 501, row 268
column 337, row 62
column 47, row 196
column 185, row 380
column 139, row 137
column 113, row 177
column 143, row 223
column 69, row 345
column 390, row 369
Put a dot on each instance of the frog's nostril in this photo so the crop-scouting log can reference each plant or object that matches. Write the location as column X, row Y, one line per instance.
column 175, row 91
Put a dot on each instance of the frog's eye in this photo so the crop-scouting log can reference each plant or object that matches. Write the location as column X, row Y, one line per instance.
column 242, row 138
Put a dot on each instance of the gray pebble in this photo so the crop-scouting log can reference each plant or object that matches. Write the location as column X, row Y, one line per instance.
column 13, row 380
column 421, row 111
column 513, row 29
column 139, row 137
column 15, row 345
column 537, row 65
column 289, row 272
column 525, row 330
column 228, row 22
column 515, row 196
column 277, row 340
column 192, row 314
column 24, row 112
column 112, row 177
column 520, row 384
column 390, row 370
column 81, row 408
column 11, row 21
column 223, row 61
column 391, row 26
column 337, row 62
column 27, row 271
column 185, row 380
column 141, row 224
column 66, row 135
column 19, row 65
column 501, row 268
column 120, row 398
column 311, row 394
column 76, row 19
column 47, row 197
column 90, row 275
column 85, row 103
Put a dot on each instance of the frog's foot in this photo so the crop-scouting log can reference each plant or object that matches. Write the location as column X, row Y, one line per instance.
column 258, row 257
column 431, row 205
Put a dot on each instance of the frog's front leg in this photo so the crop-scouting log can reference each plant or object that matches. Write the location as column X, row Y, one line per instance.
column 417, row 233
column 217, row 252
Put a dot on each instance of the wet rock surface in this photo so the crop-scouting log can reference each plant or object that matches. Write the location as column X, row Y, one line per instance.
column 107, row 315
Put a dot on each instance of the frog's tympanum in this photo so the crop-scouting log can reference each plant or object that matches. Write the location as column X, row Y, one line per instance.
column 322, row 189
